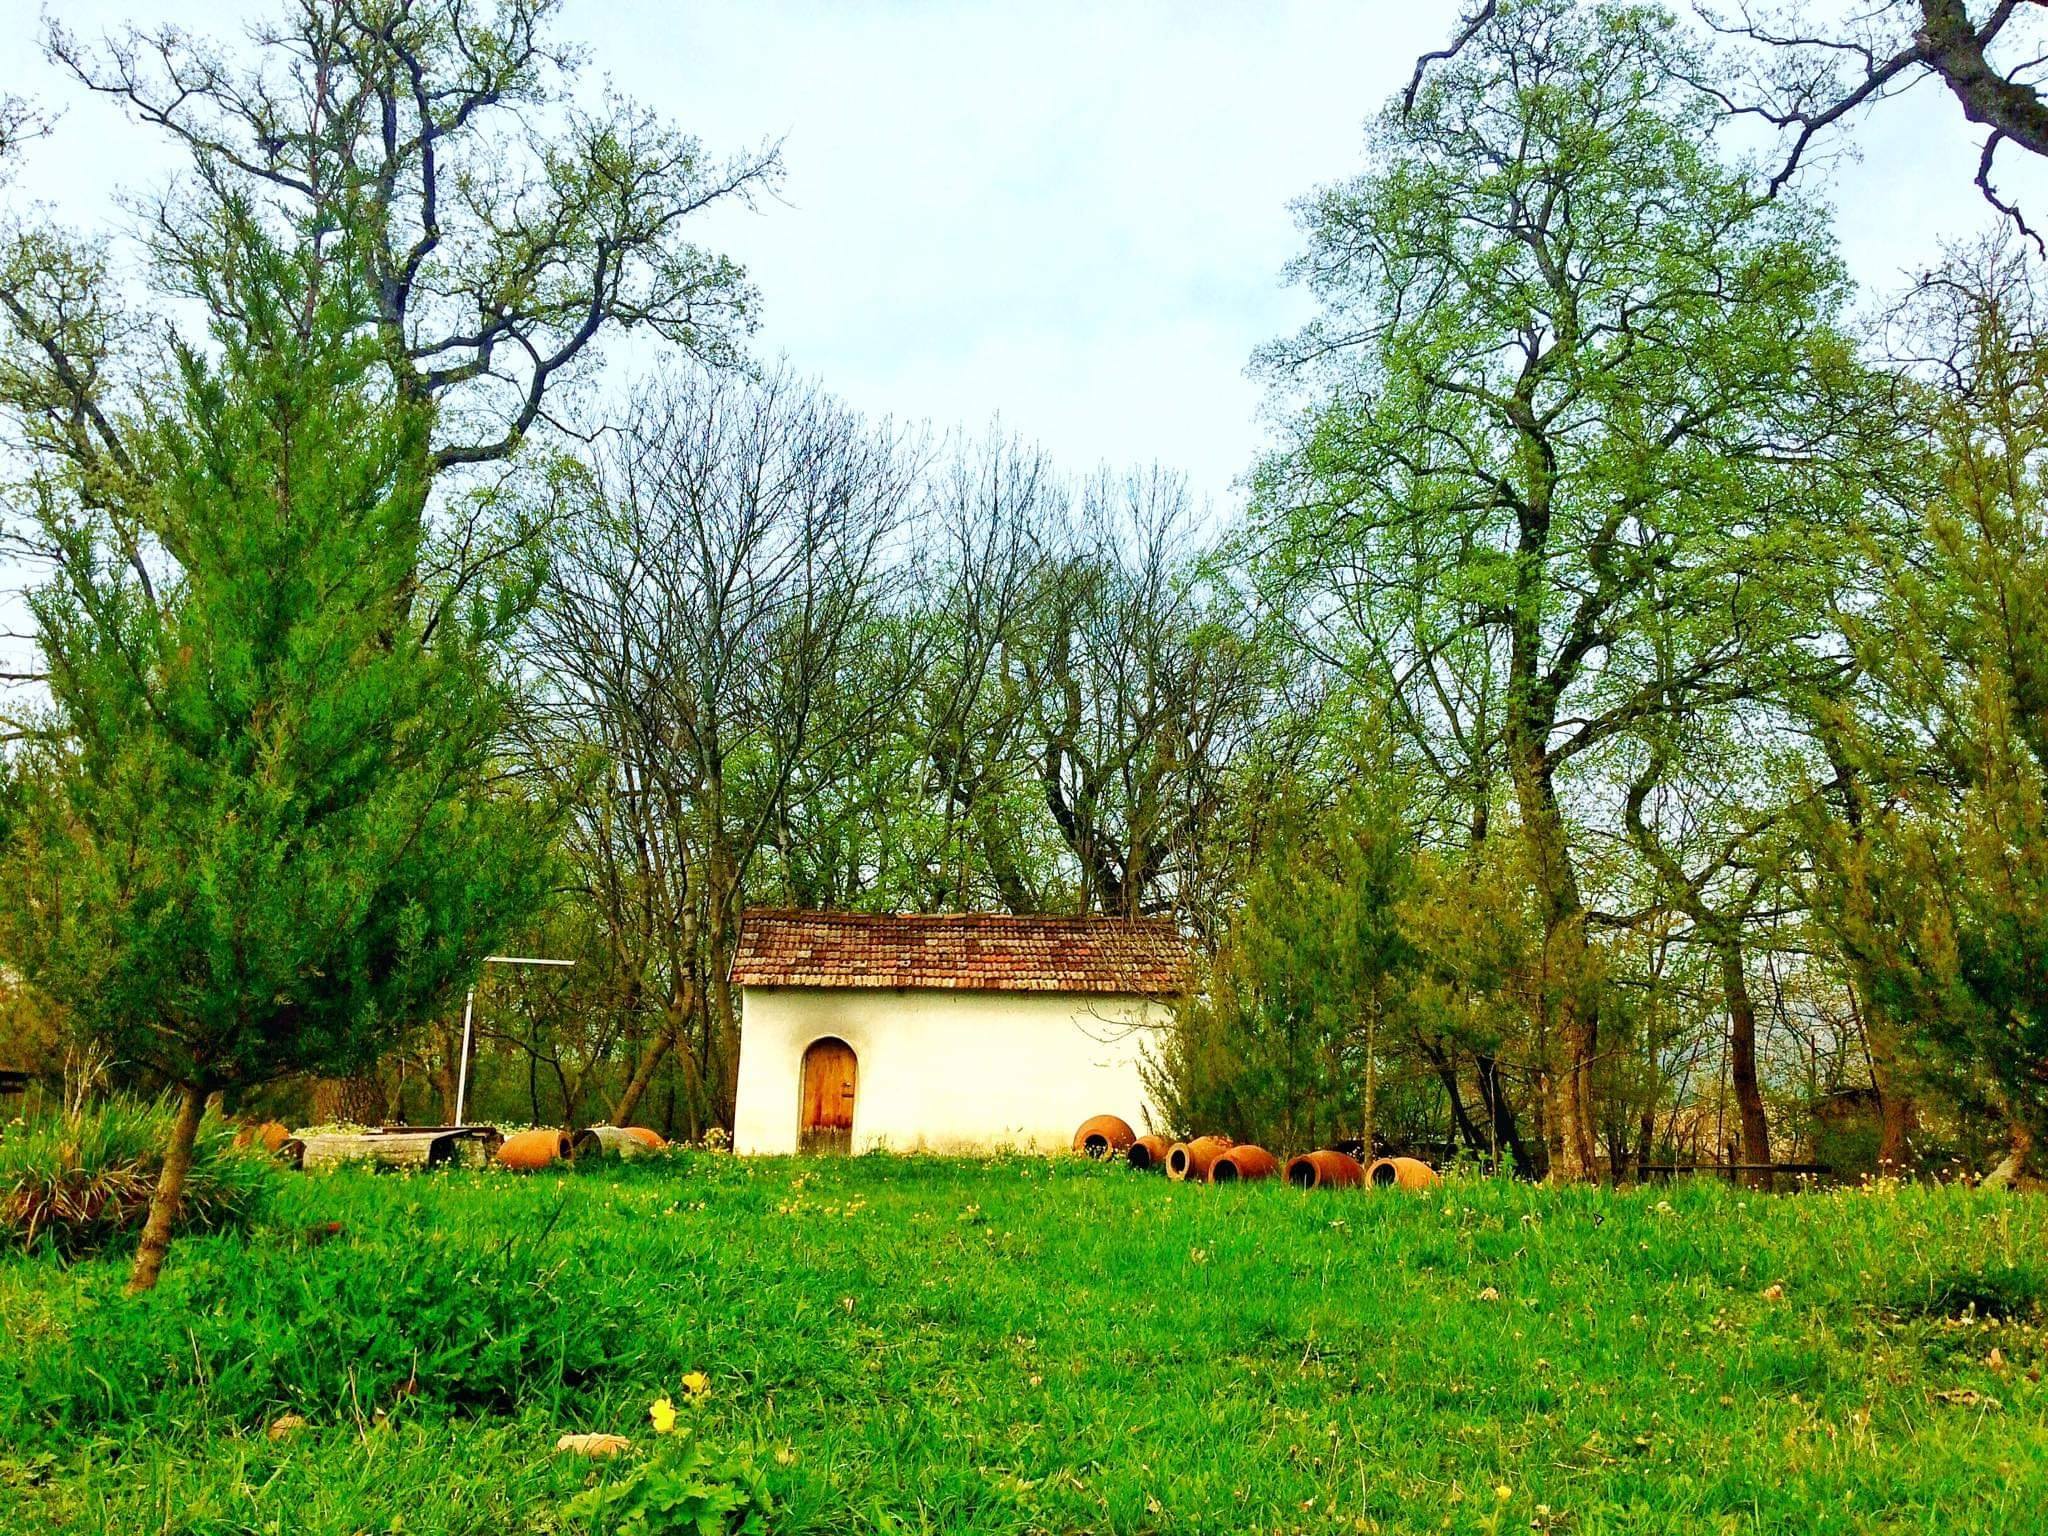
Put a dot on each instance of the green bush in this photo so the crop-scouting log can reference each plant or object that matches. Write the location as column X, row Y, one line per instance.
column 80, row 1184
column 446, row 1321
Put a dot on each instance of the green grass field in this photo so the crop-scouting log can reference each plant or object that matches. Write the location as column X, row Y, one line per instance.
column 1030, row 1346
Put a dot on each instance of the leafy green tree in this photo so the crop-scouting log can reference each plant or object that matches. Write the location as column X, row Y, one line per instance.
column 1701, row 819
column 262, row 833
column 1571, row 376
column 495, row 225
column 1932, row 872
column 1480, row 977
column 1310, row 983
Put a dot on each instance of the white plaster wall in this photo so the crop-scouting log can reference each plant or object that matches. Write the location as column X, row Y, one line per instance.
column 942, row 1070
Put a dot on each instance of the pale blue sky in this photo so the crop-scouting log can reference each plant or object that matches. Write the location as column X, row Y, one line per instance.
column 1070, row 214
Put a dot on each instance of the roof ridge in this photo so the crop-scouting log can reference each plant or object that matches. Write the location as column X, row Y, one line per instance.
column 836, row 915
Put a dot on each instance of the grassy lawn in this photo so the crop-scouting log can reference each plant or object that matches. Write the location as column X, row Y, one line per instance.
column 1017, row 1345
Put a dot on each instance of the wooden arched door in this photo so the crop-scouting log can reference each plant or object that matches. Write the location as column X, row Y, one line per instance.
column 825, row 1118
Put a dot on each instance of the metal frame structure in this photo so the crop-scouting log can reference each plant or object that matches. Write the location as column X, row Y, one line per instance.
column 469, row 1013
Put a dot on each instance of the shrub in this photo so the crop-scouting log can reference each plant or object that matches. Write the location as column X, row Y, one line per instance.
column 80, row 1184
column 453, row 1320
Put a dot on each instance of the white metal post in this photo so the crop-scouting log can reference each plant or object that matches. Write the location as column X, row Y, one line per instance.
column 462, row 1071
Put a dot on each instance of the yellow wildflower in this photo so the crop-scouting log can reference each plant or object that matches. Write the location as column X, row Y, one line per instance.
column 697, row 1384
column 663, row 1413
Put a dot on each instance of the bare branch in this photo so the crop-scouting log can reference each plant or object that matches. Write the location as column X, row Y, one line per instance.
column 1479, row 18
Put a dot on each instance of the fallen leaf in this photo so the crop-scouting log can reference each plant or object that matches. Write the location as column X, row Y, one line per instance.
column 286, row 1424
column 1774, row 1293
column 594, row 1445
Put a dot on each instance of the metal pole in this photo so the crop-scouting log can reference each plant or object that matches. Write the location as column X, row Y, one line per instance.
column 462, row 1072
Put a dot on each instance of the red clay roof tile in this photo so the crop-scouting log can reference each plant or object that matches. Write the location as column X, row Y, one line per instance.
column 983, row 951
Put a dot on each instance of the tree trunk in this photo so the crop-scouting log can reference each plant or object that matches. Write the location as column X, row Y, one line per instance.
column 350, row 1100
column 1749, row 1099
column 1504, row 1133
column 1895, row 1104
column 1574, row 1019
column 725, row 1049
column 1371, row 1076
column 170, row 1191
column 1461, row 1118
column 675, row 1018
column 1994, row 95
column 447, row 1065
column 629, row 1098
column 1899, row 1117
column 1576, row 1025
column 2013, row 1165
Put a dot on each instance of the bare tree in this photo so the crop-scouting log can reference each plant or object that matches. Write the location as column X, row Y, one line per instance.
column 1148, row 685
column 1819, row 70
column 711, row 593
column 498, row 225
column 999, row 514
column 19, row 122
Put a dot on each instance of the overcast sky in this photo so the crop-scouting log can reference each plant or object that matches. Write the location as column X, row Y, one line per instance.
column 1070, row 215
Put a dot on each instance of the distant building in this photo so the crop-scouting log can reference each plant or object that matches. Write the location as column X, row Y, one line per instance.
column 945, row 1033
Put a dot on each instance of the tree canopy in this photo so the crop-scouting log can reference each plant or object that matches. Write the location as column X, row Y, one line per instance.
column 1608, row 735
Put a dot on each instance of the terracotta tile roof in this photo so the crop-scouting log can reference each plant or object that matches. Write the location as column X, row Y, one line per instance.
column 976, row 951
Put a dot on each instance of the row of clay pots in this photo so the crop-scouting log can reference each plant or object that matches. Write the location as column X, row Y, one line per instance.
column 545, row 1145
column 1330, row 1169
column 1218, row 1160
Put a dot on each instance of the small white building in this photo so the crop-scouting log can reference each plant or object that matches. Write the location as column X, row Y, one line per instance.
column 945, row 1033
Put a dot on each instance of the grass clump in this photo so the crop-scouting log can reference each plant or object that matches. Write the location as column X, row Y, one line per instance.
column 80, row 1183
column 2000, row 1292
column 456, row 1319
column 685, row 1490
